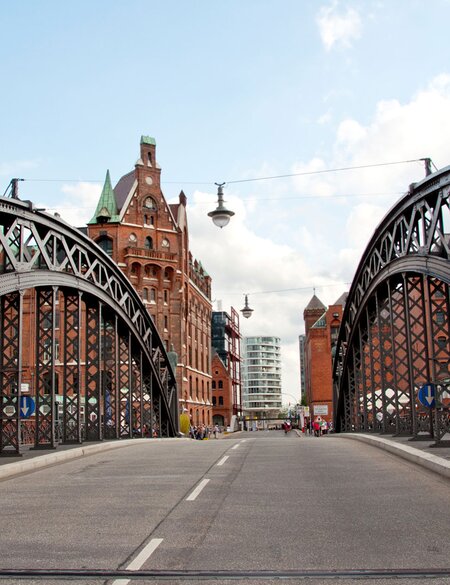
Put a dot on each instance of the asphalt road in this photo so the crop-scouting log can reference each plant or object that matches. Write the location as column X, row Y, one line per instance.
column 256, row 505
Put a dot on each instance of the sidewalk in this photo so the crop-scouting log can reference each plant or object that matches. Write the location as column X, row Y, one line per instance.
column 32, row 460
column 436, row 459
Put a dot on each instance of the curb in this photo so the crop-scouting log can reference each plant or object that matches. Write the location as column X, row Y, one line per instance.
column 427, row 460
column 39, row 462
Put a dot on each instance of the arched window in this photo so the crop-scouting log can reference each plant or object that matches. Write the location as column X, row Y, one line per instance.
column 220, row 400
column 149, row 203
column 220, row 384
column 153, row 295
column 213, row 384
column 145, row 294
column 106, row 244
column 214, row 400
column 149, row 243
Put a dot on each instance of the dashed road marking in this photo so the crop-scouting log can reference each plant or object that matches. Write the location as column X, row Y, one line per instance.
column 191, row 497
column 222, row 461
column 143, row 556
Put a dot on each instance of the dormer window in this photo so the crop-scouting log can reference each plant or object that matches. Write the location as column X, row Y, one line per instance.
column 149, row 203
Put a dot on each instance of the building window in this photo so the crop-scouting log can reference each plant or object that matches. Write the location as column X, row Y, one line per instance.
column 220, row 400
column 214, row 401
column 153, row 295
column 440, row 317
column 442, row 342
column 166, row 322
column 220, row 384
column 106, row 245
column 149, row 203
column 148, row 243
column 213, row 384
column 166, row 297
column 145, row 294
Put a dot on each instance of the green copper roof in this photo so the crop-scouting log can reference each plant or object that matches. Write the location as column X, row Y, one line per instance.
column 106, row 206
column 148, row 140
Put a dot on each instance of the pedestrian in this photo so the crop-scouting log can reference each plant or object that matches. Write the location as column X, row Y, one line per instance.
column 216, row 431
column 316, row 428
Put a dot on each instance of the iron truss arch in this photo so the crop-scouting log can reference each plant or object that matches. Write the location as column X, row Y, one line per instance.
column 395, row 334
column 80, row 356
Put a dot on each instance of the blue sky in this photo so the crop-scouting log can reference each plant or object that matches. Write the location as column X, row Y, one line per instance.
column 233, row 90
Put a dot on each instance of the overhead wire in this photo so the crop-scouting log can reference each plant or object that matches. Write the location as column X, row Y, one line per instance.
column 266, row 178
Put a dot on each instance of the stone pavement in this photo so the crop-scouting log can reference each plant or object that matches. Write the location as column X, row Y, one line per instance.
column 418, row 452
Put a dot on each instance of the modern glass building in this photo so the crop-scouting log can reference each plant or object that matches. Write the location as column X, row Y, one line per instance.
column 261, row 377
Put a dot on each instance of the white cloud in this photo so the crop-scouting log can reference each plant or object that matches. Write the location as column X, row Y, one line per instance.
column 338, row 27
column 79, row 202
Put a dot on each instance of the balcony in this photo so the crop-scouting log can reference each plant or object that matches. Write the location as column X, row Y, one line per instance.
column 133, row 252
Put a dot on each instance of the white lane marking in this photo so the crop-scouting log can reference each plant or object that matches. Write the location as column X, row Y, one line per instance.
column 222, row 461
column 235, row 446
column 143, row 556
column 197, row 490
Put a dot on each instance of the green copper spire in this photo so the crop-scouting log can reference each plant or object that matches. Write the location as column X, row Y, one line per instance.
column 106, row 207
column 148, row 140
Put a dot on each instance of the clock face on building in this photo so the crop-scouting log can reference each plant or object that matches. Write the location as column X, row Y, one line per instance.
column 132, row 238
column 149, row 180
column 165, row 243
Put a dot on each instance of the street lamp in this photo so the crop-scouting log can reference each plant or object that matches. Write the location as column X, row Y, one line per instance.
column 221, row 215
column 246, row 311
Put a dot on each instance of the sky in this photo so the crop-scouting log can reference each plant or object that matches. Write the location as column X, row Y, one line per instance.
column 237, row 91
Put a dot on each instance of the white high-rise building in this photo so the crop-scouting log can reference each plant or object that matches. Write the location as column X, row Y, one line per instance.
column 261, row 378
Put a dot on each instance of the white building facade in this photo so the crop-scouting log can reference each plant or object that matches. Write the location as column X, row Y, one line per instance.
column 261, row 379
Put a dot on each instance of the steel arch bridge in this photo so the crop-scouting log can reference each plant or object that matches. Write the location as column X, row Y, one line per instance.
column 395, row 332
column 78, row 350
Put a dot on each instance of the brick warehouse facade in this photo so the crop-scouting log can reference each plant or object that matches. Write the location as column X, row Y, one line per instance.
column 149, row 240
column 226, row 368
column 321, row 333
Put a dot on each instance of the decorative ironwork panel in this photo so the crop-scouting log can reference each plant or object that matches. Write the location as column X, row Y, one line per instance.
column 388, row 391
column 110, row 371
column 124, row 388
column 93, row 398
column 136, row 396
column 45, row 368
column 10, row 375
column 72, row 368
column 156, row 422
column 439, row 311
column 147, row 405
column 419, row 349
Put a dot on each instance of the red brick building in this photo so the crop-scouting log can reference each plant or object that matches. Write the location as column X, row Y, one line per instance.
column 222, row 392
column 149, row 240
column 321, row 333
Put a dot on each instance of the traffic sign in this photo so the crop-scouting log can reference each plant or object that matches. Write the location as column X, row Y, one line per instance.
column 427, row 395
column 27, row 406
